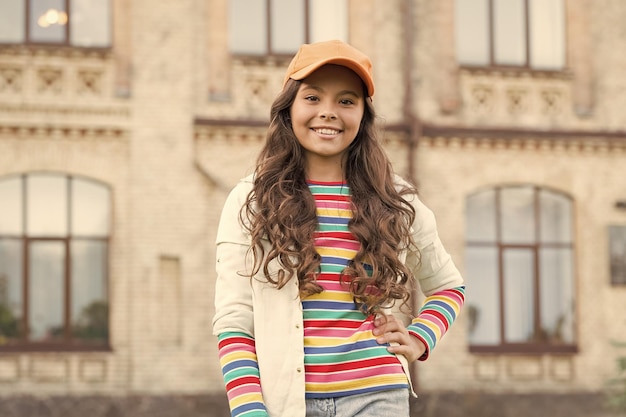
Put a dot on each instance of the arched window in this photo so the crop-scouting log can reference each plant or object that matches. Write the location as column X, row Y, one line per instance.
column 54, row 240
column 519, row 267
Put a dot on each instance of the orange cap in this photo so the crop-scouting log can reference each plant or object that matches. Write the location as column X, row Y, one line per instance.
column 312, row 56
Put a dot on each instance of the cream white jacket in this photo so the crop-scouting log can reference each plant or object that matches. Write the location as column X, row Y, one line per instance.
column 274, row 317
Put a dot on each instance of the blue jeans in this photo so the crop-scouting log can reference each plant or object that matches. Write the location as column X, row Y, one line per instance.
column 393, row 403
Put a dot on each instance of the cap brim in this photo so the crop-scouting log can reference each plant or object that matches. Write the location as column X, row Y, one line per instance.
column 344, row 62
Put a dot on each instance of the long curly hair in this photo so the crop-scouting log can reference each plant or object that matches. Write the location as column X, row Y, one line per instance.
column 281, row 209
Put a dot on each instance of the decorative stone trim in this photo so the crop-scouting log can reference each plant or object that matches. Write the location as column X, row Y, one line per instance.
column 529, row 144
column 11, row 79
column 120, row 112
column 50, row 132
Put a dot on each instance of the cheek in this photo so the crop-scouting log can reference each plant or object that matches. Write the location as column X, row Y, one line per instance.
column 357, row 122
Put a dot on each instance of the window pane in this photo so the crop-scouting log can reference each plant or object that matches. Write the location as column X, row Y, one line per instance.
column 248, row 26
column 327, row 25
column 287, row 20
column 11, row 206
column 480, row 218
column 10, row 289
column 90, row 23
column 617, row 244
column 509, row 32
column 12, row 18
column 556, row 217
column 519, row 288
column 90, row 209
column 517, row 215
column 472, row 32
column 47, row 21
column 483, row 304
column 547, row 34
column 46, row 290
column 90, row 317
column 557, row 296
column 46, row 201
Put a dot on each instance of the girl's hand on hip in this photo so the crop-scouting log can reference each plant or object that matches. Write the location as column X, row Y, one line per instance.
column 389, row 329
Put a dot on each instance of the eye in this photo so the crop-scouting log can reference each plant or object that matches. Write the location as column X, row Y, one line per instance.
column 311, row 98
column 346, row 101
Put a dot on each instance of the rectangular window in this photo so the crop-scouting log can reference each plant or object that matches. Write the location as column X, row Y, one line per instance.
column 11, row 219
column 519, row 293
column 268, row 27
column 617, row 247
column 248, row 27
column 547, row 34
column 557, row 296
column 484, row 316
column 290, row 33
column 79, row 23
column 11, row 289
column 511, row 33
column 89, row 308
column 47, row 21
column 472, row 32
column 90, row 23
column 46, row 296
column 12, row 19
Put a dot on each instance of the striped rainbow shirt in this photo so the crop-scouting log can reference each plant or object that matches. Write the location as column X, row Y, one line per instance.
column 341, row 355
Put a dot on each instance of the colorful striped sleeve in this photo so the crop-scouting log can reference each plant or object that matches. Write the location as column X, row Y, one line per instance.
column 240, row 368
column 436, row 316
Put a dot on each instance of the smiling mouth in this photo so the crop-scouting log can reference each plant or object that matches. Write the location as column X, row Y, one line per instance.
column 326, row 131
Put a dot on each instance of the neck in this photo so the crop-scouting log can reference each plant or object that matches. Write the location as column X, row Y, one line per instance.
column 325, row 171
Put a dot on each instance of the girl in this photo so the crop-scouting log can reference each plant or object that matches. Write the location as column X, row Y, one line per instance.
column 317, row 247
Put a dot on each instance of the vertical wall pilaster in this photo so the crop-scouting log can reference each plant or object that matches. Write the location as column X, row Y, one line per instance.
column 218, row 54
column 448, row 86
column 579, row 60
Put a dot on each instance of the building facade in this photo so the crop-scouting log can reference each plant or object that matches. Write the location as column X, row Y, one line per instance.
column 124, row 125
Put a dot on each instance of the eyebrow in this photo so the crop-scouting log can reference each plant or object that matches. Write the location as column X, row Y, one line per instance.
column 321, row 90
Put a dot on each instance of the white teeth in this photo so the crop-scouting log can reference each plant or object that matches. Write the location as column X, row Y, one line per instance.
column 327, row 131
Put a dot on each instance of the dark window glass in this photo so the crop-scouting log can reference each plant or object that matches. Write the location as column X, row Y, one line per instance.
column 89, row 309
column 11, row 290
column 46, row 270
column 617, row 247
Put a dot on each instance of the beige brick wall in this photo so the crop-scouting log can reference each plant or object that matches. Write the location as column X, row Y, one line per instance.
column 170, row 176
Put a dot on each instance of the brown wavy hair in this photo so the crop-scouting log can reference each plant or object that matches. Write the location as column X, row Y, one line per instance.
column 281, row 209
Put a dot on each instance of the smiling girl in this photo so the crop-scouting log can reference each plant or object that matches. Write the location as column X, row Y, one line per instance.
column 318, row 252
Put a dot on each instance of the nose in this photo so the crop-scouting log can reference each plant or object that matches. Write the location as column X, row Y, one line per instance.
column 327, row 115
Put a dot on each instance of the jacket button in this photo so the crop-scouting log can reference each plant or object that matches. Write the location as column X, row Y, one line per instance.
column 297, row 326
column 299, row 370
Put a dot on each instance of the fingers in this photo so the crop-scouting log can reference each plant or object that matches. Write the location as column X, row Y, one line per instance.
column 388, row 323
column 390, row 330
